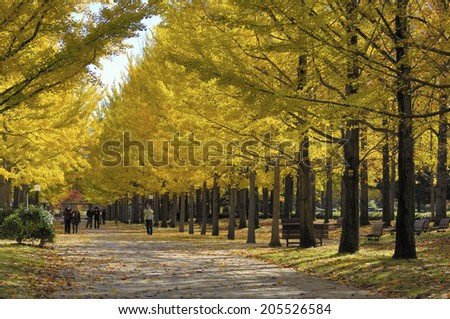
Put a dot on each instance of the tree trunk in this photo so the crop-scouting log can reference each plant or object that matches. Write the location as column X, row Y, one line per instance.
column 135, row 209
column 364, row 196
column 215, row 208
column 23, row 195
column 174, row 211
column 420, row 189
column 157, row 209
column 405, row 245
column 165, row 210
column 116, row 212
column 16, row 197
column 329, row 195
column 386, row 183
column 144, row 201
column 182, row 212
column 265, row 203
column 392, row 197
column 288, row 190
column 242, row 208
column 5, row 192
column 204, row 208
column 247, row 202
column 232, row 214
column 441, row 176
column 191, row 206
column 342, row 196
column 349, row 242
column 307, row 233
column 313, row 195
column 127, row 211
column 256, row 208
column 275, row 238
column 271, row 204
column 298, row 195
column 432, row 198
column 251, row 235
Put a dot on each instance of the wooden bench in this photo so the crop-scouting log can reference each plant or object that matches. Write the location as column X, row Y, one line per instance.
column 290, row 229
column 322, row 231
column 338, row 223
column 377, row 232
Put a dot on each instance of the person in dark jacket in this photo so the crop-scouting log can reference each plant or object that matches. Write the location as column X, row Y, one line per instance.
column 104, row 216
column 67, row 219
column 76, row 219
column 89, row 214
column 96, row 217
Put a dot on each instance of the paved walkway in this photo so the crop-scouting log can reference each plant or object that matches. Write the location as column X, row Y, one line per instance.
column 119, row 263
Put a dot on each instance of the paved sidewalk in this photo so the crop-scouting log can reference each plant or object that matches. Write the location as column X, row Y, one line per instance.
column 108, row 263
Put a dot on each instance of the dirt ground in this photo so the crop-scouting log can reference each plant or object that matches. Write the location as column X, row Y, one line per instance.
column 119, row 261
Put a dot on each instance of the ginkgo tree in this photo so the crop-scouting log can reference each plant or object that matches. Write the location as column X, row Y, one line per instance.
column 47, row 52
column 45, row 143
column 304, row 71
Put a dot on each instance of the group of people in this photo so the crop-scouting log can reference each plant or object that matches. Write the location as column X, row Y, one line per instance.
column 72, row 218
column 94, row 214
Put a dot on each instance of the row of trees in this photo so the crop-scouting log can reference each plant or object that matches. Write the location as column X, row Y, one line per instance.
column 48, row 90
column 241, row 93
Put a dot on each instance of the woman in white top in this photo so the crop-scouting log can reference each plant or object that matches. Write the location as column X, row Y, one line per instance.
column 148, row 216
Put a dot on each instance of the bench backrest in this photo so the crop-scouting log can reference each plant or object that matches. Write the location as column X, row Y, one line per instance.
column 377, row 228
column 287, row 221
column 421, row 224
column 444, row 222
column 291, row 226
column 322, row 230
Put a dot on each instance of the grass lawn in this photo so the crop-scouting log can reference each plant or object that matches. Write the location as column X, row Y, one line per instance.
column 23, row 269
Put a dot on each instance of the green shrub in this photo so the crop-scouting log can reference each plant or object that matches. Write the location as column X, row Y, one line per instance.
column 11, row 228
column 376, row 216
column 422, row 215
column 4, row 214
column 33, row 224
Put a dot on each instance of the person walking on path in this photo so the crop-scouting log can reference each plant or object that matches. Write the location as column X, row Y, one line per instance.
column 96, row 217
column 89, row 215
column 104, row 216
column 148, row 216
column 67, row 219
column 76, row 220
